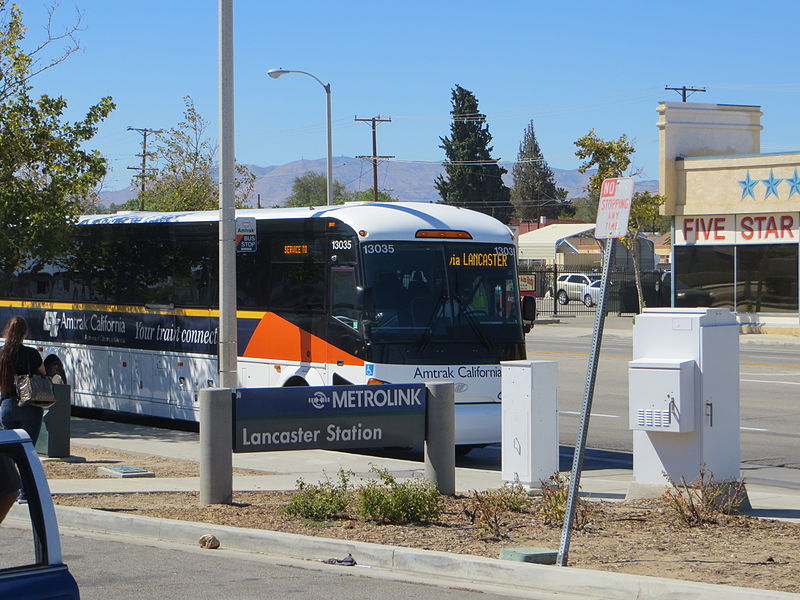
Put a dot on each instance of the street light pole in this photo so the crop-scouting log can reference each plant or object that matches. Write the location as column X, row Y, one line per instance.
column 275, row 73
column 228, row 370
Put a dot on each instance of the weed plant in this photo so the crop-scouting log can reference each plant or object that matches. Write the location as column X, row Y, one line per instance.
column 555, row 493
column 385, row 500
column 485, row 509
column 323, row 501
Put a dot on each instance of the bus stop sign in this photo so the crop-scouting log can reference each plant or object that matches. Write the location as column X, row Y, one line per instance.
column 614, row 208
column 246, row 240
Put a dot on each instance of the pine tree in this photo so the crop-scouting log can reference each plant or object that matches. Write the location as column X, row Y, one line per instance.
column 534, row 193
column 474, row 179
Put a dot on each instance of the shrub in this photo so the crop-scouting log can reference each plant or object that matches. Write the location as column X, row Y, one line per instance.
column 325, row 500
column 485, row 509
column 704, row 500
column 386, row 501
column 555, row 493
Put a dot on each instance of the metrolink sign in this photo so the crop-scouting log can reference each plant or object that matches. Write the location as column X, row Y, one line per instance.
column 330, row 417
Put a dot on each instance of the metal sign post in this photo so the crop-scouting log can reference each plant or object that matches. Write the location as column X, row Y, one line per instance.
column 612, row 222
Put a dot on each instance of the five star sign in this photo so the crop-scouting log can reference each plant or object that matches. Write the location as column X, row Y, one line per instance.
column 771, row 184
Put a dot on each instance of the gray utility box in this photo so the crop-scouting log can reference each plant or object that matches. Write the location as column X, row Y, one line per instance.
column 661, row 395
column 54, row 437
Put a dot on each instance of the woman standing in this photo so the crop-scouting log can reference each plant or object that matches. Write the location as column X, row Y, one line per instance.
column 17, row 359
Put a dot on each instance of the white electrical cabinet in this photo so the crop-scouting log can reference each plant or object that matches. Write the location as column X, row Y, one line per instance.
column 684, row 395
column 529, row 451
column 661, row 395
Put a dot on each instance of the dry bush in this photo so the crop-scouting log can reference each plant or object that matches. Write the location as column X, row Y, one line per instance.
column 555, row 493
column 485, row 509
column 704, row 500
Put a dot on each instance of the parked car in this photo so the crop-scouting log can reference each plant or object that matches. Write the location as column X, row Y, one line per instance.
column 574, row 286
column 591, row 295
column 48, row 577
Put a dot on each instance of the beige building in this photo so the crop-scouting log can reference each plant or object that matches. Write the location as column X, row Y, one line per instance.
column 736, row 213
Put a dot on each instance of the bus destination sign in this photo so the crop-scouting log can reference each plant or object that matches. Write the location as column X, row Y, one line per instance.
column 478, row 259
column 331, row 417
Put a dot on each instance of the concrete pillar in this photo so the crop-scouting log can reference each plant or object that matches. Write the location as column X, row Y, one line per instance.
column 216, row 446
column 440, row 437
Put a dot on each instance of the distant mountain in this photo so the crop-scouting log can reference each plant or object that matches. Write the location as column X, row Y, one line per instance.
column 407, row 181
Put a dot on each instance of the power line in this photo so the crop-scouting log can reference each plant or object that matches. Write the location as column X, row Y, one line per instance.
column 374, row 157
column 142, row 176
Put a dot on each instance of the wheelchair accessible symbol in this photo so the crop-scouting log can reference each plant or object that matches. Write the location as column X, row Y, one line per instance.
column 370, row 369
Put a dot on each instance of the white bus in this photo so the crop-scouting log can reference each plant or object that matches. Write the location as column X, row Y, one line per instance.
column 353, row 294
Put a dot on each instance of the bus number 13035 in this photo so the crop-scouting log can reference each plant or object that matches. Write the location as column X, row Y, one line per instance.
column 379, row 249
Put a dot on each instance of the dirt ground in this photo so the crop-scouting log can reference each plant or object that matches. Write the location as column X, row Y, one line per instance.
column 643, row 537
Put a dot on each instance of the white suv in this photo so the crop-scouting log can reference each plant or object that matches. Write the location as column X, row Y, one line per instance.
column 574, row 286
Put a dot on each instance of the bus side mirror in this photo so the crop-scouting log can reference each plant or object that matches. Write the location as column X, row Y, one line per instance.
column 365, row 302
column 528, row 310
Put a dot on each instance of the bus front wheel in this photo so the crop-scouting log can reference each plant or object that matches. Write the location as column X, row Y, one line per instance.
column 55, row 371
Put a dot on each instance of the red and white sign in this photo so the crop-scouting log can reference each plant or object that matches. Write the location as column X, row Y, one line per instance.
column 743, row 229
column 614, row 207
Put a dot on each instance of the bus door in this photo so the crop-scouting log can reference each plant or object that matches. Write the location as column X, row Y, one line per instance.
column 343, row 326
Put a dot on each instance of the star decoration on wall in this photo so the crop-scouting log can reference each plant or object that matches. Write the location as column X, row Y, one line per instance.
column 771, row 184
column 794, row 184
column 748, row 185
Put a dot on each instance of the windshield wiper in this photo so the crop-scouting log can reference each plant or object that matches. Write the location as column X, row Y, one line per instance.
column 474, row 323
column 428, row 333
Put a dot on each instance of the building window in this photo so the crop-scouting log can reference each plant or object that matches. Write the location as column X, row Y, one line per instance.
column 704, row 276
column 766, row 277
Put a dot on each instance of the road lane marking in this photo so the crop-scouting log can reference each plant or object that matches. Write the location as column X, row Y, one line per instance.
column 770, row 381
column 749, row 364
column 792, row 374
column 572, row 412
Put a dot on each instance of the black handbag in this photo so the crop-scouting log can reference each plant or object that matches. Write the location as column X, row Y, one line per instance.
column 34, row 390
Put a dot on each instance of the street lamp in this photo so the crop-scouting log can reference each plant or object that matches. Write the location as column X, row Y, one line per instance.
column 275, row 73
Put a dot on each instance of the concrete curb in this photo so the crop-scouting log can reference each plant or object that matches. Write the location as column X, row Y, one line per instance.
column 463, row 568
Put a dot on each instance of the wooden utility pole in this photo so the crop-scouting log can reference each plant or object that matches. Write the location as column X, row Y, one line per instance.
column 374, row 157
column 685, row 91
column 142, row 176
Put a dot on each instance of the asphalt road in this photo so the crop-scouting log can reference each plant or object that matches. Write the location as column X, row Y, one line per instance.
column 108, row 567
column 769, row 395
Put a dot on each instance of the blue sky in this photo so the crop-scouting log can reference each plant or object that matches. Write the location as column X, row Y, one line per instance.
column 568, row 66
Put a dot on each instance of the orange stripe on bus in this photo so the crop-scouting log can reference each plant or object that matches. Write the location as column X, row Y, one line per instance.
column 278, row 339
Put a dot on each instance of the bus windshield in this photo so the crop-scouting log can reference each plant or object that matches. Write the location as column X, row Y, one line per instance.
column 432, row 298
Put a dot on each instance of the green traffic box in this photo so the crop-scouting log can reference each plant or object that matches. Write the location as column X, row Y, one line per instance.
column 54, row 436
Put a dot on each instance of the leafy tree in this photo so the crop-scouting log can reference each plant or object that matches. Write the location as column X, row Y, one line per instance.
column 46, row 173
column 583, row 209
column 185, row 180
column 311, row 189
column 612, row 159
column 369, row 196
column 535, row 193
column 474, row 179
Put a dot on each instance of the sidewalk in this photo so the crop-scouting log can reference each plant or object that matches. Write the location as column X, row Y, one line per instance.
column 282, row 469
column 583, row 325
